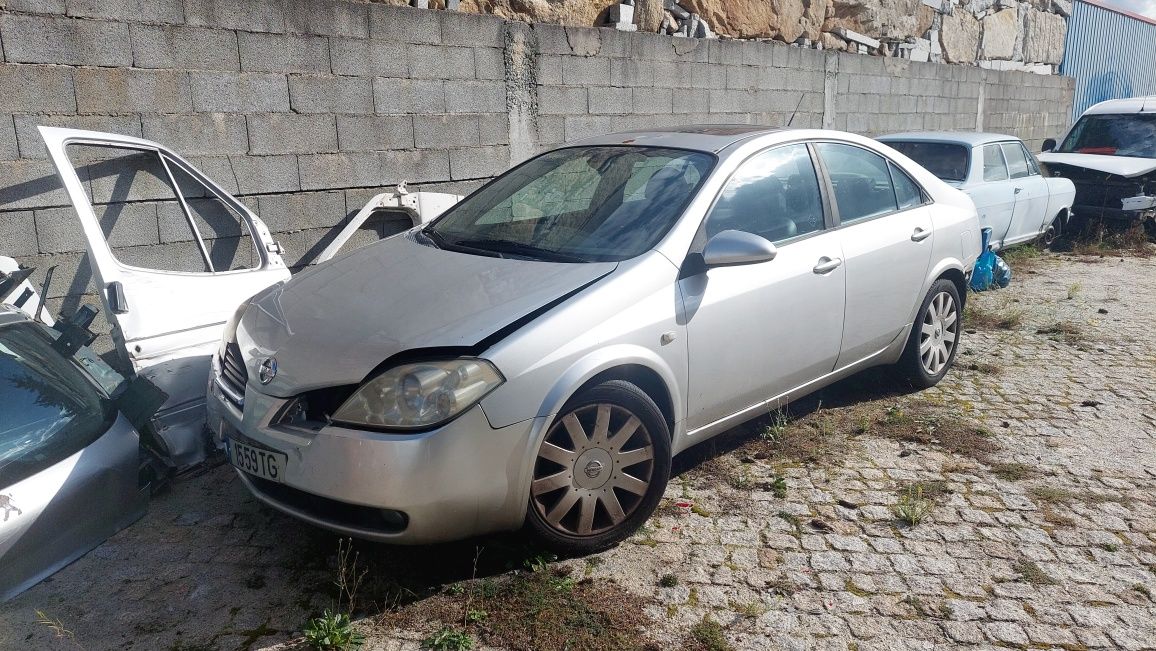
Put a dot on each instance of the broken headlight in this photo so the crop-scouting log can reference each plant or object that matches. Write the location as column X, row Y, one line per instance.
column 419, row 396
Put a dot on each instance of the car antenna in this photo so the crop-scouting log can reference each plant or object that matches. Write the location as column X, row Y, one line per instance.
column 801, row 97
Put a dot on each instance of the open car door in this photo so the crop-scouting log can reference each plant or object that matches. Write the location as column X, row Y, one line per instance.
column 399, row 209
column 172, row 255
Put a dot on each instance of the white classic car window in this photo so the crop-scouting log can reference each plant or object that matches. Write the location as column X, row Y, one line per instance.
column 994, row 168
column 1017, row 163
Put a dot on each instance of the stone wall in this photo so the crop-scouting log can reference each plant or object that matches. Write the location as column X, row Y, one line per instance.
column 305, row 109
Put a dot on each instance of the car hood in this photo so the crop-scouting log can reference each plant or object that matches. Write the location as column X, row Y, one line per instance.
column 1125, row 166
column 333, row 324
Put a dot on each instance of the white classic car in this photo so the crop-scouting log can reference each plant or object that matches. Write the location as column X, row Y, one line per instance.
column 1000, row 175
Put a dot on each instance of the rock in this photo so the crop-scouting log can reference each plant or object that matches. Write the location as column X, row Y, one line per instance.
column 1062, row 7
column 831, row 42
column 999, row 35
column 895, row 19
column 1102, row 310
column 1044, row 40
column 959, row 37
column 785, row 20
column 648, row 15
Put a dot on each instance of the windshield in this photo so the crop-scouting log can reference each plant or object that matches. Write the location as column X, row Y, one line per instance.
column 945, row 160
column 50, row 408
column 577, row 204
column 1113, row 135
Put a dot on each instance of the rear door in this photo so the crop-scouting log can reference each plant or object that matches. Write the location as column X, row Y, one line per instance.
column 172, row 255
column 1031, row 193
column 886, row 234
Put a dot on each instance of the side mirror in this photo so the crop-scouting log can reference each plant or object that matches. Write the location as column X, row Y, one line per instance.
column 736, row 247
column 1049, row 145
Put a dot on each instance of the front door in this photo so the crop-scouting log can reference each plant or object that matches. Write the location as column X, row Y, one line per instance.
column 1031, row 192
column 886, row 234
column 173, row 256
column 759, row 330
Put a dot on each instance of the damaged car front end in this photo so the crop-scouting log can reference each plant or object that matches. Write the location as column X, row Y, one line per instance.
column 1110, row 156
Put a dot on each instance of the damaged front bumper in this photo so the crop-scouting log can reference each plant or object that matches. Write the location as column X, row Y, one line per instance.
column 453, row 482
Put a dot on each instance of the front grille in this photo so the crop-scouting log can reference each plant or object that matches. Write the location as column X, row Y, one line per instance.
column 355, row 516
column 233, row 373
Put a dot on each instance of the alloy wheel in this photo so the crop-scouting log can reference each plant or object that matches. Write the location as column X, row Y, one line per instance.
column 938, row 333
column 593, row 470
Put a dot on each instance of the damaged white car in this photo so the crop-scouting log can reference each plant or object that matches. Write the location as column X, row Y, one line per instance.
column 1110, row 154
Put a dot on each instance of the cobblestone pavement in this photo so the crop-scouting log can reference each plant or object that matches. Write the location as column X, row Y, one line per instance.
column 1049, row 542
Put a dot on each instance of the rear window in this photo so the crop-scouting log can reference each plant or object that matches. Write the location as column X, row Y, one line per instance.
column 945, row 160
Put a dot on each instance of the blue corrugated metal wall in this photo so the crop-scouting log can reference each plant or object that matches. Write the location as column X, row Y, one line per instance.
column 1111, row 55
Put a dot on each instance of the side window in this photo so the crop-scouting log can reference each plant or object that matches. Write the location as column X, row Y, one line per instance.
column 51, row 409
column 1033, row 166
column 861, row 180
column 775, row 195
column 1017, row 163
column 993, row 165
column 907, row 192
column 156, row 216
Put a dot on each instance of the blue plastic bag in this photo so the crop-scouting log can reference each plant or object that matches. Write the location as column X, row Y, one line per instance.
column 982, row 273
column 1001, row 274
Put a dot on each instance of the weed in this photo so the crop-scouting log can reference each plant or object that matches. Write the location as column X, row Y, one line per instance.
column 776, row 428
column 59, row 632
column 947, row 430
column 1005, row 318
column 1143, row 589
column 699, row 509
column 349, row 574
column 740, row 480
column 448, row 639
column 781, row 587
column 1032, row 573
column 456, row 589
column 1110, row 547
column 1020, row 257
column 913, row 508
column 987, row 368
column 709, row 635
column 1074, row 290
column 539, row 561
column 332, row 632
column 474, row 616
column 778, row 485
column 789, row 517
column 1051, row 494
column 751, row 609
column 668, row 581
column 1012, row 471
column 1064, row 331
column 1052, row 517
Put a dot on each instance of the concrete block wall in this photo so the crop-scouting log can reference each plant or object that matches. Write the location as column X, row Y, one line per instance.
column 306, row 108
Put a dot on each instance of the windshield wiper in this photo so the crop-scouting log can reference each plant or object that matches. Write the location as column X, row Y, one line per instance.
column 518, row 248
column 461, row 246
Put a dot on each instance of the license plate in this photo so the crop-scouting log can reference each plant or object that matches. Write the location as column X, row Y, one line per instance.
column 255, row 461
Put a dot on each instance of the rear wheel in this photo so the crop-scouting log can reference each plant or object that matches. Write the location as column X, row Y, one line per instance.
column 934, row 338
column 601, row 469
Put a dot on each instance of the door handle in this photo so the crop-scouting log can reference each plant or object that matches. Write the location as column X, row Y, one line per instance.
column 1019, row 190
column 919, row 235
column 827, row 265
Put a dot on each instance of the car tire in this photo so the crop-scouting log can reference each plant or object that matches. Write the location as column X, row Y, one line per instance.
column 600, row 471
column 934, row 339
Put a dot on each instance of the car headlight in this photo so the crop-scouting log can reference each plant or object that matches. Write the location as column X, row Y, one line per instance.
column 420, row 395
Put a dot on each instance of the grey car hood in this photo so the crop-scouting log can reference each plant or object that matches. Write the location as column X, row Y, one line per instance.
column 334, row 323
column 1125, row 166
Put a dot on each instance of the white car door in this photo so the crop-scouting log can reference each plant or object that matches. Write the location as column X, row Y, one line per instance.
column 1030, row 215
column 757, row 331
column 172, row 255
column 999, row 195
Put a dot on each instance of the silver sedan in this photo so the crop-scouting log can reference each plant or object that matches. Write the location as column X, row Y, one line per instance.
column 538, row 354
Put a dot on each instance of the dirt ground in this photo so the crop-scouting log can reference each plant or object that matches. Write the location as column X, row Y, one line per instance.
column 1012, row 506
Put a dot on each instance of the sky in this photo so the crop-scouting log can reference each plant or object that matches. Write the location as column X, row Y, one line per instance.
column 1143, row 7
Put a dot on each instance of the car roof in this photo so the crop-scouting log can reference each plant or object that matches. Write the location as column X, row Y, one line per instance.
column 1129, row 105
column 711, row 138
column 969, row 138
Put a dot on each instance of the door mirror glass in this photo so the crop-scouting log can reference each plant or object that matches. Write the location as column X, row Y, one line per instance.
column 736, row 247
column 1049, row 144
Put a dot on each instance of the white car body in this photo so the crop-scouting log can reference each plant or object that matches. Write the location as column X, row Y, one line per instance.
column 1018, row 203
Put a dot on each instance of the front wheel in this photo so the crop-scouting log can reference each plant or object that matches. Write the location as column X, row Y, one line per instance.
column 934, row 338
column 601, row 469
